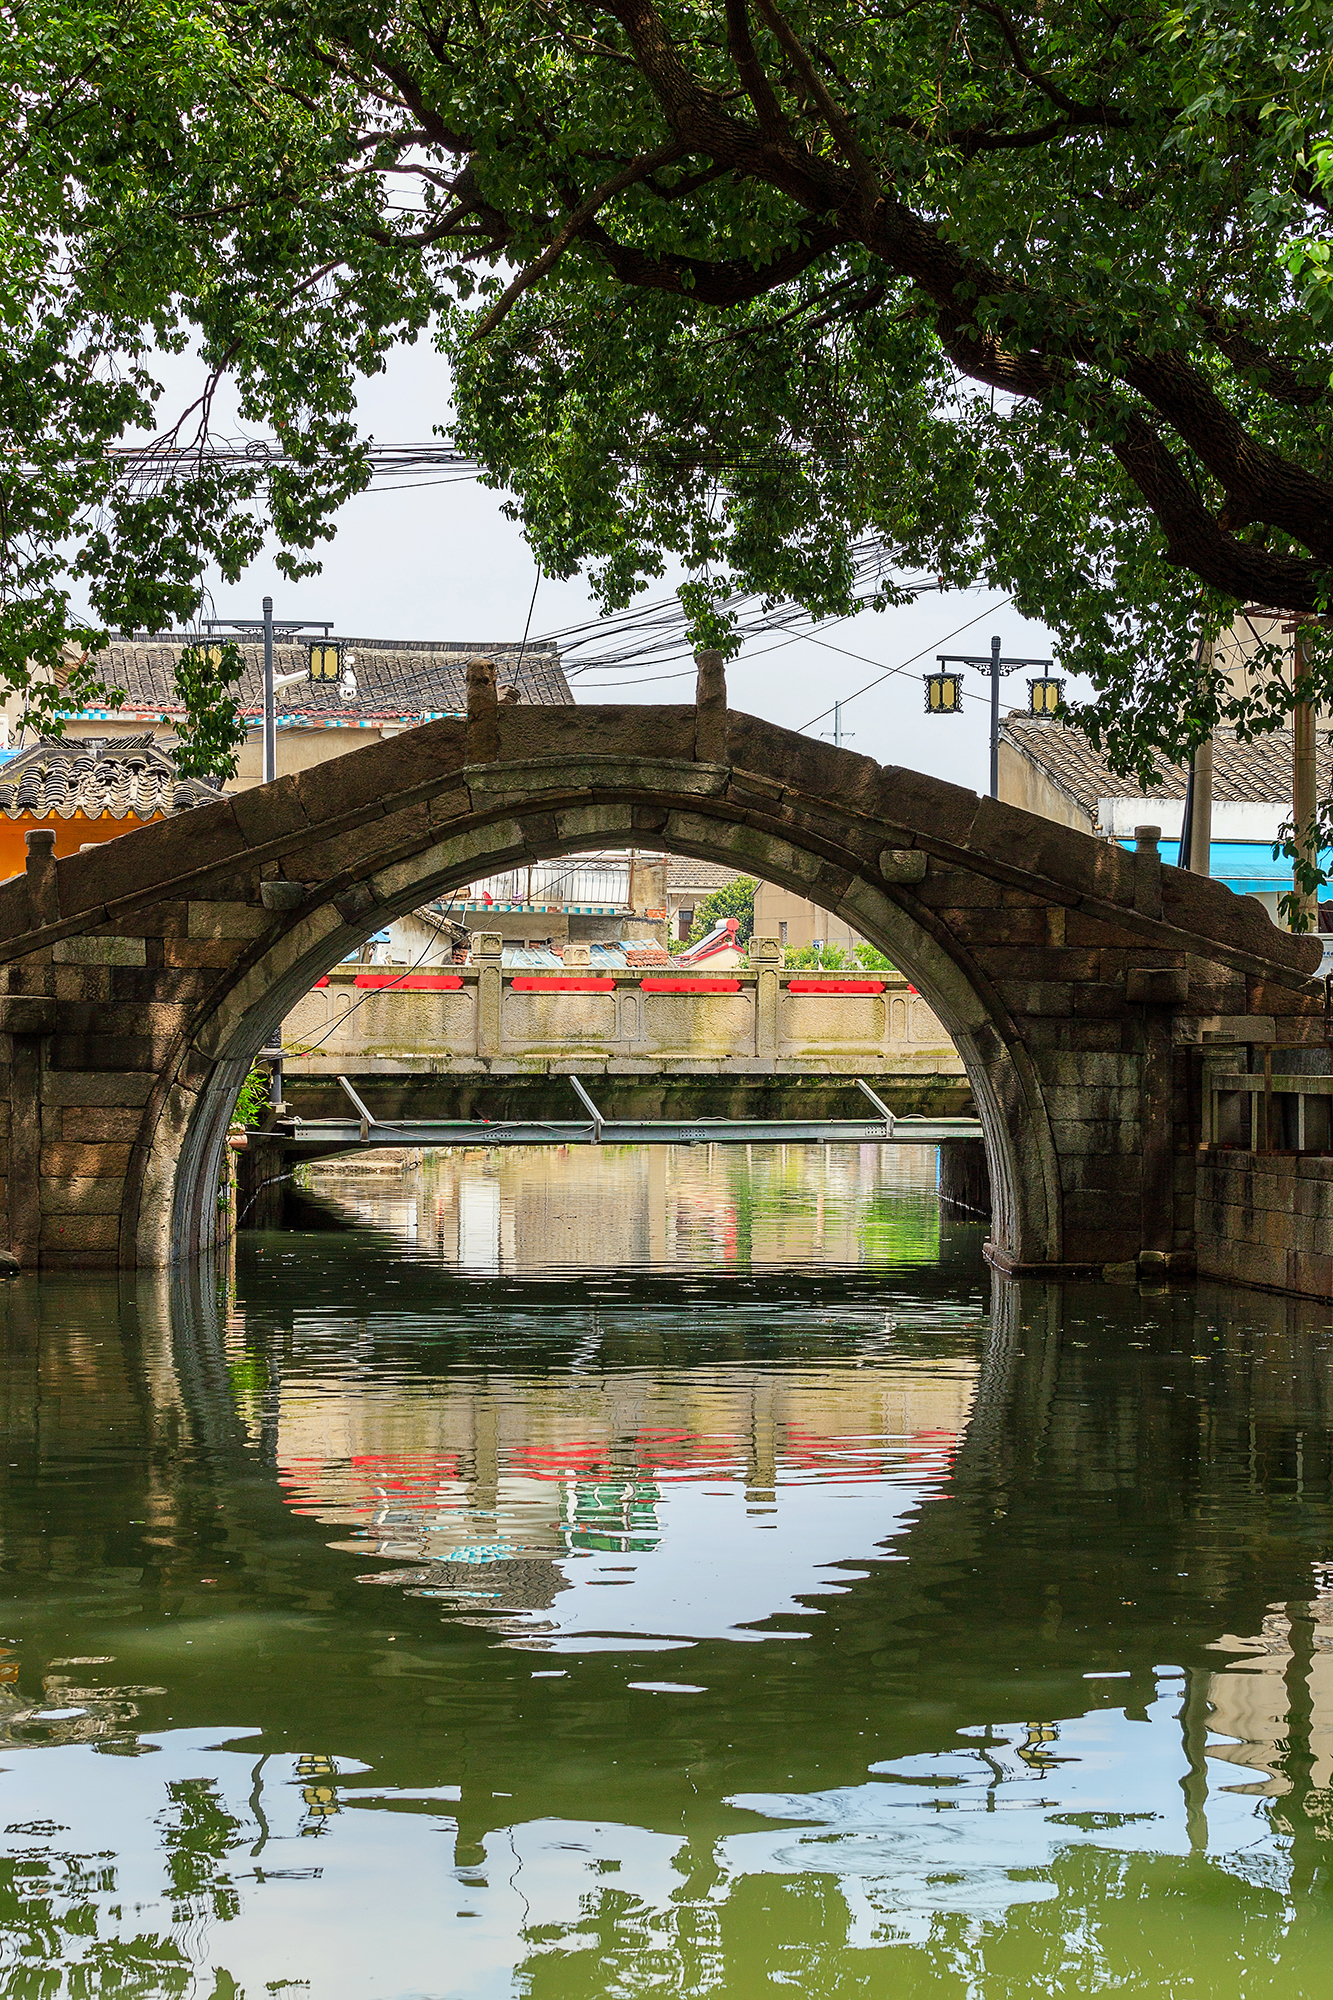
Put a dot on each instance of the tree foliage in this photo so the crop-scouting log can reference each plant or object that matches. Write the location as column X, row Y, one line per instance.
column 1036, row 296
column 207, row 676
column 733, row 899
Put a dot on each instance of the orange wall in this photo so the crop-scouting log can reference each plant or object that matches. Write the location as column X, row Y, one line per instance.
column 71, row 834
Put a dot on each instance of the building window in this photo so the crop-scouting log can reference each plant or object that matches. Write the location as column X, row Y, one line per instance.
column 782, row 934
column 686, row 924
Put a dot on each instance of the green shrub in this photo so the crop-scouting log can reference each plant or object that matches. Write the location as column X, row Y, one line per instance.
column 735, row 899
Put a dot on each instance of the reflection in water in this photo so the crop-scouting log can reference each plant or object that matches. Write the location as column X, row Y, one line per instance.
column 371, row 1630
column 658, row 1207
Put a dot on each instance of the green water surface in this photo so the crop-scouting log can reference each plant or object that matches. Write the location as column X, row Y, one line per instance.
column 614, row 1576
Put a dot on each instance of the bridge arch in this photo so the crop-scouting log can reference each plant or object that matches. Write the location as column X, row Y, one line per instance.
column 143, row 977
column 1020, row 1149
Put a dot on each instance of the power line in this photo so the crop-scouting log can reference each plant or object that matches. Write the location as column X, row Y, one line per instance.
column 902, row 667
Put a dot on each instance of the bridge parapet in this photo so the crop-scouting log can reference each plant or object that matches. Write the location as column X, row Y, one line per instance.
column 755, row 1019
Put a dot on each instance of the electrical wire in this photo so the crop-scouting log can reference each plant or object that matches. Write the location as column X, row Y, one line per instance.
column 902, row 667
column 306, row 1048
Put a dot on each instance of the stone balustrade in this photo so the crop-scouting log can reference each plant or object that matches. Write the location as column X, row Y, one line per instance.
column 498, row 1019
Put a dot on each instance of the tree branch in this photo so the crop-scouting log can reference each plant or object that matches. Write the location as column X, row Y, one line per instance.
column 637, row 170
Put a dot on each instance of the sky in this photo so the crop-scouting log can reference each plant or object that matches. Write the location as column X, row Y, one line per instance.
column 442, row 562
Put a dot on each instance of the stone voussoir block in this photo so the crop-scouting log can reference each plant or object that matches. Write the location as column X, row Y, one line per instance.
column 1090, row 1068
column 100, row 949
column 102, row 1161
column 269, row 813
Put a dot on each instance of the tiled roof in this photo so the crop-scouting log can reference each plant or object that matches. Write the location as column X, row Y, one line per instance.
column 682, row 873
column 633, row 955
column 124, row 777
column 396, row 678
column 1241, row 771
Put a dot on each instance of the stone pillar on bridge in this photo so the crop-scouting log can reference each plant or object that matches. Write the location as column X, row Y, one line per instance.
column 487, row 947
column 766, row 957
column 29, row 1014
column 710, row 701
column 483, row 717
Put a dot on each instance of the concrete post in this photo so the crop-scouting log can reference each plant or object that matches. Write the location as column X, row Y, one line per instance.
column 766, row 956
column 1304, row 796
column 1200, row 857
column 1147, row 871
column 486, row 950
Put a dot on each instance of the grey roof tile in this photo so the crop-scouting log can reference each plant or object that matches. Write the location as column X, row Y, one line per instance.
column 683, row 873
column 123, row 777
column 396, row 678
column 1241, row 771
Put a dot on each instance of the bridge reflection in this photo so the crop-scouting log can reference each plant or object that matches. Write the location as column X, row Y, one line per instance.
column 624, row 1208
column 1025, row 1552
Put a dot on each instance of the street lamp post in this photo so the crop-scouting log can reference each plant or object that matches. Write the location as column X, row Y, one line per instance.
column 996, row 665
column 285, row 629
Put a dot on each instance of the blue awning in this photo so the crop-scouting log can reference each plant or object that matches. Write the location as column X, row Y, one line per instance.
column 1247, row 866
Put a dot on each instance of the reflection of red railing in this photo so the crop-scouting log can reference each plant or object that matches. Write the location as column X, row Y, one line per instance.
column 365, row 1482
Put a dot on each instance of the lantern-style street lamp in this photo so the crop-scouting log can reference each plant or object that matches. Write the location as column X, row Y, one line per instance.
column 1045, row 695
column 997, row 666
column 269, row 630
column 944, row 694
column 325, row 658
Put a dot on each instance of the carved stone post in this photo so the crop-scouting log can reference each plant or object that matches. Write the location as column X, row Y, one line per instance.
column 486, row 950
column 28, row 1014
column 483, row 715
column 766, row 956
column 710, row 700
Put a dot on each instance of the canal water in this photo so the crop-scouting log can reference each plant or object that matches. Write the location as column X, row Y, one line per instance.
column 638, row 1574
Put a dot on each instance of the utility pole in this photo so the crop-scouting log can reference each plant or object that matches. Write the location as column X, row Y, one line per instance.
column 267, row 628
column 838, row 734
column 1304, row 803
column 995, row 718
column 270, row 699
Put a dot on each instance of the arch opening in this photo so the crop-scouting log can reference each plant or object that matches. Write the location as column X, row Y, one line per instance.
column 178, row 1201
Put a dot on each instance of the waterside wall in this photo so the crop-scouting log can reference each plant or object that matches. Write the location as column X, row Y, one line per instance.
column 1266, row 1219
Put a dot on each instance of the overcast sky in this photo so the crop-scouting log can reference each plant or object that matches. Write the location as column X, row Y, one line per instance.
column 441, row 562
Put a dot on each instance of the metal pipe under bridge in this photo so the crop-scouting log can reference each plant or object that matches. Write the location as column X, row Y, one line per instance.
column 363, row 1129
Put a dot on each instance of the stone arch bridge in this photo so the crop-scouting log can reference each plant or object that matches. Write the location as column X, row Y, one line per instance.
column 1079, row 981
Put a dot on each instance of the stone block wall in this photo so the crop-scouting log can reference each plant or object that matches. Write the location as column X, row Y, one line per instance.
column 1266, row 1219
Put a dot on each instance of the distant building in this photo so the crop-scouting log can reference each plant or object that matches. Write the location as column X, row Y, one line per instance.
column 688, row 883
column 88, row 791
column 603, row 898
column 797, row 922
column 1052, row 770
column 351, row 691
column 717, row 950
column 778, row 913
